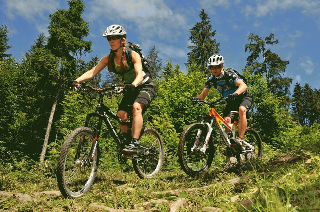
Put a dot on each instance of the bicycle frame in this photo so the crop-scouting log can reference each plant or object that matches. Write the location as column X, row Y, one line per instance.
column 79, row 156
column 222, row 125
column 216, row 119
column 104, row 113
column 200, row 144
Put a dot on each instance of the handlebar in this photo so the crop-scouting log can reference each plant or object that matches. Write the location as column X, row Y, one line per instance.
column 222, row 100
column 112, row 88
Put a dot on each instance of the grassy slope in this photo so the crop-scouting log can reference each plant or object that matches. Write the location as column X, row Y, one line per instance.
column 276, row 183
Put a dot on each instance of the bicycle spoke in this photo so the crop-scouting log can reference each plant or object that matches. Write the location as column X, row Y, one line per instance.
column 191, row 157
column 252, row 137
column 150, row 158
column 76, row 171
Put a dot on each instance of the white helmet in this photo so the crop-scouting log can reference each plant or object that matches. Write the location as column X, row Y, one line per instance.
column 215, row 60
column 114, row 30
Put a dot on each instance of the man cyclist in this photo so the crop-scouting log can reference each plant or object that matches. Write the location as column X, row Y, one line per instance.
column 230, row 85
column 139, row 89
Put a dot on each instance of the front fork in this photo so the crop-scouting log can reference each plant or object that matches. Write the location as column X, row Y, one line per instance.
column 94, row 145
column 206, row 143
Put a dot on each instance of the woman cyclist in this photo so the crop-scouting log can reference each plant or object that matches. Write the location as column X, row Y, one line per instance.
column 139, row 89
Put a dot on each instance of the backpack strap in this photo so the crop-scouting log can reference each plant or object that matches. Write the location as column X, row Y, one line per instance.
column 129, row 57
column 228, row 77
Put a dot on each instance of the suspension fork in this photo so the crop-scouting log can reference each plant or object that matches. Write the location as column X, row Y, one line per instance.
column 95, row 140
column 103, row 116
column 99, row 112
column 205, row 145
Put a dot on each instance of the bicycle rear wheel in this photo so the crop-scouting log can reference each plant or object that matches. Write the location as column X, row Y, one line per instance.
column 78, row 163
column 150, row 158
column 192, row 160
column 253, row 138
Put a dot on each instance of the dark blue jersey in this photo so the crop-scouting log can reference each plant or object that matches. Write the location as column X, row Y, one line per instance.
column 225, row 84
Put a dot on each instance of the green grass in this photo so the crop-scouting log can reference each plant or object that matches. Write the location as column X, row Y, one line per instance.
column 270, row 184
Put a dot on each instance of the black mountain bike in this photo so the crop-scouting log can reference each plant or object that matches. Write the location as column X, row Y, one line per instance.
column 79, row 157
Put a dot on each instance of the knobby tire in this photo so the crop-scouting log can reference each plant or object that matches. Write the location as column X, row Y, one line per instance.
column 253, row 137
column 195, row 163
column 76, row 171
column 150, row 159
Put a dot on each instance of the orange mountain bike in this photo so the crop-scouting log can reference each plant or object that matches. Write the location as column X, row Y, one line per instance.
column 199, row 141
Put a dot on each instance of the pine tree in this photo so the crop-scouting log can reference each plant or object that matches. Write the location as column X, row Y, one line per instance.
column 4, row 42
column 168, row 70
column 177, row 69
column 204, row 45
column 67, row 31
column 41, row 67
column 297, row 104
column 317, row 105
column 263, row 61
column 309, row 105
column 155, row 63
column 85, row 66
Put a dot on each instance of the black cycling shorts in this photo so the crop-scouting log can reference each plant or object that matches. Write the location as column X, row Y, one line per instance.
column 246, row 102
column 144, row 94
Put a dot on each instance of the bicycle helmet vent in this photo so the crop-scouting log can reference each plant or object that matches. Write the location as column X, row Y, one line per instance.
column 215, row 60
column 114, row 30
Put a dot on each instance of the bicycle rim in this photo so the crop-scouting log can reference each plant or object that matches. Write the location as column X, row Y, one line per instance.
column 193, row 161
column 76, row 168
column 150, row 158
column 253, row 138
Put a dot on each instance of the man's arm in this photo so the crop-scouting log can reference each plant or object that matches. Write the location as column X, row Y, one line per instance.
column 242, row 87
column 203, row 94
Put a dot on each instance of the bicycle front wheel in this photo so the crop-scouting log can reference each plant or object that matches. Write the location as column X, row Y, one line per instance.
column 194, row 160
column 78, row 163
column 253, row 138
column 150, row 158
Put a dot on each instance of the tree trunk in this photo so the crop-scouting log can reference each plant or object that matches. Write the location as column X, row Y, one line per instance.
column 46, row 138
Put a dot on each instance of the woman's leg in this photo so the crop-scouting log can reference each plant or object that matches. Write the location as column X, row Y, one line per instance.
column 137, row 119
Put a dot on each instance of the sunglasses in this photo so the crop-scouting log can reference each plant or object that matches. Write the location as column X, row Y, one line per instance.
column 115, row 37
column 215, row 67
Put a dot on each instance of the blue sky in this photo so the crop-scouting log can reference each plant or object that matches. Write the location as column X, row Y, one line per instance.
column 166, row 24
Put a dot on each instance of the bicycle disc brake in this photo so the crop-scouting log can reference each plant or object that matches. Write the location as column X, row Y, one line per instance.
column 235, row 147
column 146, row 152
column 82, row 164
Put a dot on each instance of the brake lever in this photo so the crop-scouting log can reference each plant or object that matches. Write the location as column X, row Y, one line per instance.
column 118, row 90
column 199, row 103
column 223, row 101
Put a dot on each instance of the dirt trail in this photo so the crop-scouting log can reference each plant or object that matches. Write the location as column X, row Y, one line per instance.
column 174, row 206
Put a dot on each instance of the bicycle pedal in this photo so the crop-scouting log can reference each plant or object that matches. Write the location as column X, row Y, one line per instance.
column 236, row 148
column 135, row 157
column 229, row 152
column 126, row 156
